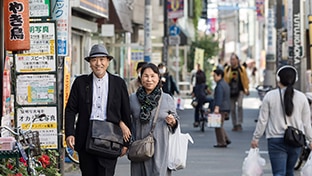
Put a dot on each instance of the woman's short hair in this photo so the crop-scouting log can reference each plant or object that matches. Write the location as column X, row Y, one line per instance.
column 151, row 66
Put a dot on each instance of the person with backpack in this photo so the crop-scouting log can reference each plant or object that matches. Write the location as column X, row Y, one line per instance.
column 236, row 76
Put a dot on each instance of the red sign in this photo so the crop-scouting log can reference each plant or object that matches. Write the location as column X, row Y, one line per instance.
column 16, row 25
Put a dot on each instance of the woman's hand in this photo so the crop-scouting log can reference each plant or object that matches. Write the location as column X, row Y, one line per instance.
column 254, row 144
column 170, row 120
column 125, row 131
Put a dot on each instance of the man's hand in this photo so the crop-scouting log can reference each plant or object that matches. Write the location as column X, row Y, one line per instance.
column 70, row 141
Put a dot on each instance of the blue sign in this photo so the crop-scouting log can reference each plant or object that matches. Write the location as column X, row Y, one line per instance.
column 174, row 30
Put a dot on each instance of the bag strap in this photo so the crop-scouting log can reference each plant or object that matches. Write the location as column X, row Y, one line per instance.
column 156, row 115
column 280, row 92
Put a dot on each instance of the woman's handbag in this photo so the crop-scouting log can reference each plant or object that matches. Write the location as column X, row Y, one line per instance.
column 143, row 149
column 292, row 135
column 178, row 145
column 104, row 139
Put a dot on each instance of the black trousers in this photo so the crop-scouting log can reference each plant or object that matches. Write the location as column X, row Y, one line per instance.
column 95, row 165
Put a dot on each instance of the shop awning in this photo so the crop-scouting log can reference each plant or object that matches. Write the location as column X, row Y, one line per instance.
column 120, row 15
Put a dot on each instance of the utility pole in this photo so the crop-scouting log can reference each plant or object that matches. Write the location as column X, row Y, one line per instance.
column 270, row 60
column 147, row 31
column 165, row 38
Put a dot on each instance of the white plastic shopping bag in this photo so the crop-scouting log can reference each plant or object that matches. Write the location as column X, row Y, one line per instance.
column 179, row 103
column 253, row 163
column 307, row 168
column 178, row 145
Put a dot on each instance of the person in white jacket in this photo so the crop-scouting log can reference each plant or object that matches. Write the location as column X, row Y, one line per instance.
column 283, row 156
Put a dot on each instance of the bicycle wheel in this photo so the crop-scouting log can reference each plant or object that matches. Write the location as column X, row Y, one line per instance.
column 72, row 155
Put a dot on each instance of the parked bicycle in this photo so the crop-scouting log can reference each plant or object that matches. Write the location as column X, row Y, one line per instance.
column 27, row 145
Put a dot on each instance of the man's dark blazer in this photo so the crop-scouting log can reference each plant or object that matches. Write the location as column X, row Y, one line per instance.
column 80, row 102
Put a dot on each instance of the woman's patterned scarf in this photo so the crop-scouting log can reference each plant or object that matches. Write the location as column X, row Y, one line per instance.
column 148, row 102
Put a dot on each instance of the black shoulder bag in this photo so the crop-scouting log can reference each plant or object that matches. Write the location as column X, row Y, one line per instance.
column 104, row 139
column 292, row 135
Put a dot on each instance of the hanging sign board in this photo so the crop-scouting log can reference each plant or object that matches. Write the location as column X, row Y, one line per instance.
column 46, row 126
column 36, row 89
column 16, row 25
column 175, row 8
column 42, row 54
column 40, row 9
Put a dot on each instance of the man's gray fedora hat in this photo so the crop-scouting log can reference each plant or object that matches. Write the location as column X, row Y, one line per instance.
column 98, row 50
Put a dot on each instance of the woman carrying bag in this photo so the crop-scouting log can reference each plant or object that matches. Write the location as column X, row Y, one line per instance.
column 143, row 106
column 291, row 104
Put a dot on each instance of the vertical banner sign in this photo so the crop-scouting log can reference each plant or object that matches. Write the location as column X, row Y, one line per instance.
column 67, row 71
column 6, row 99
column 297, row 41
column 41, row 57
column 260, row 9
column 175, row 8
column 271, row 37
column 16, row 25
column 290, row 31
column 199, row 58
column 60, row 14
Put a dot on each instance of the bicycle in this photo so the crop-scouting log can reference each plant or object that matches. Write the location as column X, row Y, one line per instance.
column 27, row 145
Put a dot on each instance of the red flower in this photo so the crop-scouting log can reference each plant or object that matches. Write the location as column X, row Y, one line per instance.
column 45, row 160
column 22, row 160
column 18, row 174
column 9, row 166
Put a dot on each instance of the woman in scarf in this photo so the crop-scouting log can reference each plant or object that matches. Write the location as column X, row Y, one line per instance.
column 143, row 107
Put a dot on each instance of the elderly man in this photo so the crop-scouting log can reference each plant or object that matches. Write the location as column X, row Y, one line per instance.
column 97, row 96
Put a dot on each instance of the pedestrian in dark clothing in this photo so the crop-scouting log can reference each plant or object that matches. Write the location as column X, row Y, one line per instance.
column 199, row 91
column 221, row 106
column 97, row 96
column 169, row 86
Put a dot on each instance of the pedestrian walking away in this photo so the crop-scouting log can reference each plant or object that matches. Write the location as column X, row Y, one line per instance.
column 98, row 96
column 236, row 76
column 221, row 106
column 143, row 107
column 281, row 105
